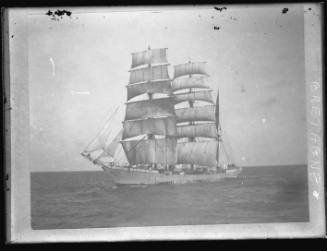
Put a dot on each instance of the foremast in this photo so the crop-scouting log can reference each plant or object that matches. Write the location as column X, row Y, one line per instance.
column 197, row 124
column 149, row 127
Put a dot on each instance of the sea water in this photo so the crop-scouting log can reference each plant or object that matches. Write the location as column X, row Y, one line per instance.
column 90, row 199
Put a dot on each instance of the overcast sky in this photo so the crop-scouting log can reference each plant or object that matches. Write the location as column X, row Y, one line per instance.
column 78, row 69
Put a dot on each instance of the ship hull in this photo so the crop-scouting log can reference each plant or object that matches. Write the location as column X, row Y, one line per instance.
column 123, row 176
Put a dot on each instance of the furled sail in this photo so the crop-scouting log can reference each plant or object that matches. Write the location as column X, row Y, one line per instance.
column 193, row 96
column 153, row 56
column 145, row 151
column 199, row 153
column 158, row 126
column 134, row 90
column 198, row 113
column 159, row 72
column 197, row 130
column 189, row 69
column 190, row 82
column 150, row 108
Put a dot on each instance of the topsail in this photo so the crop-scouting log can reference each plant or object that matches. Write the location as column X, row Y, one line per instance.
column 149, row 108
column 158, row 126
column 194, row 96
column 190, row 82
column 154, row 73
column 163, row 86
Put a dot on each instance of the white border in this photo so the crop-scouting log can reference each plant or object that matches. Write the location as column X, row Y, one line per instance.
column 18, row 197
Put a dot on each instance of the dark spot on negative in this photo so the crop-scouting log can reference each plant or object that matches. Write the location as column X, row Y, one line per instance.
column 309, row 9
column 216, row 27
column 12, row 36
column 220, row 9
column 62, row 12
column 58, row 13
column 285, row 10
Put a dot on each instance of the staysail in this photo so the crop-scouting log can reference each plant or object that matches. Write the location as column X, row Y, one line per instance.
column 104, row 148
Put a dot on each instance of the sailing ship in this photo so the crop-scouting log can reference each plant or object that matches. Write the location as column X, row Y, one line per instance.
column 172, row 135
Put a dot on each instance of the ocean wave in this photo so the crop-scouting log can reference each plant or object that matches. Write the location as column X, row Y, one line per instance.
column 93, row 192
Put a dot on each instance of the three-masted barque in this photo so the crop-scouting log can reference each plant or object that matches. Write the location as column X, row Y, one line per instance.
column 172, row 135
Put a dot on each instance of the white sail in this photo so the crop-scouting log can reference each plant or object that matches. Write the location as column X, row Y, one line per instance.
column 134, row 90
column 153, row 73
column 148, row 151
column 96, row 144
column 157, row 126
column 193, row 96
column 189, row 69
column 120, row 158
column 198, row 113
column 111, row 145
column 152, row 56
column 150, row 108
column 105, row 137
column 198, row 153
column 208, row 130
column 190, row 82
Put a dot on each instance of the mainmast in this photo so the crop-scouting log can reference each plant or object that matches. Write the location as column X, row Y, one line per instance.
column 151, row 136
column 191, row 102
column 151, row 120
column 196, row 123
column 218, row 127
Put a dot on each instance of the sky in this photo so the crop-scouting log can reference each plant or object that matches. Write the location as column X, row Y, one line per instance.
column 78, row 70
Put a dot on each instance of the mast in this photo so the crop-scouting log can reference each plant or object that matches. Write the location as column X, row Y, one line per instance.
column 190, row 103
column 151, row 136
column 201, row 131
column 218, row 128
column 151, row 120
